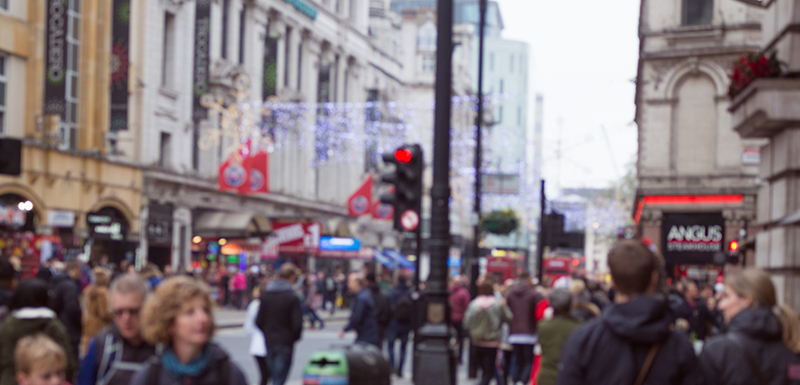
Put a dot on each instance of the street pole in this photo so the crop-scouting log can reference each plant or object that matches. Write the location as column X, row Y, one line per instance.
column 474, row 266
column 434, row 360
column 542, row 234
column 478, row 151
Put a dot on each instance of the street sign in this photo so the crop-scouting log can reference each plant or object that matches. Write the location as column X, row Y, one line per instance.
column 409, row 220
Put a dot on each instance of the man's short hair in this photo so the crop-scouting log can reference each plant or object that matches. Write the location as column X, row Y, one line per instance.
column 370, row 277
column 130, row 283
column 288, row 270
column 632, row 265
column 524, row 275
column 560, row 300
column 358, row 277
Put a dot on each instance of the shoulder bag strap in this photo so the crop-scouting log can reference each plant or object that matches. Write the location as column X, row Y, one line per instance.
column 651, row 356
column 750, row 359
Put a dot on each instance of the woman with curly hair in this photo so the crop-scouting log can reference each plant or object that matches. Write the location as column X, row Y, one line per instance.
column 98, row 313
column 178, row 316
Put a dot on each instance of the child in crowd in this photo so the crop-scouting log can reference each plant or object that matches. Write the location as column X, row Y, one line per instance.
column 39, row 361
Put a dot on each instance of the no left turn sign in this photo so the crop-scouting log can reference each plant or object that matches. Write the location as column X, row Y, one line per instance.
column 409, row 220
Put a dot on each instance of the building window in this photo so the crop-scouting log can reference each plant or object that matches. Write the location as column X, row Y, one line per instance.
column 373, row 118
column 168, row 53
column 3, row 82
column 428, row 64
column 511, row 64
column 499, row 114
column 501, row 86
column 697, row 12
column 225, row 7
column 300, row 65
column 242, row 33
column 287, row 50
column 270, row 66
column 69, row 125
column 164, row 150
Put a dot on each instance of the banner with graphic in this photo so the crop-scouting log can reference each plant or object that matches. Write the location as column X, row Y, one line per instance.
column 232, row 173
column 202, row 28
column 120, row 43
column 55, row 57
column 382, row 211
column 257, row 166
column 360, row 203
column 692, row 238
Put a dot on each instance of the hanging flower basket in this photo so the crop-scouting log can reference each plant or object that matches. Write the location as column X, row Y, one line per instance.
column 501, row 222
column 751, row 67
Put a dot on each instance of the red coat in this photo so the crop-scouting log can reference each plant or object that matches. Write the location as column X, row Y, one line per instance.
column 459, row 300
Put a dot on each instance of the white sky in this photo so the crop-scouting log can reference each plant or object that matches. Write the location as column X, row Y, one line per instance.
column 584, row 57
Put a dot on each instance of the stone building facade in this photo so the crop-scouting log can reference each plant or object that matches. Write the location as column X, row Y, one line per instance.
column 693, row 170
column 767, row 110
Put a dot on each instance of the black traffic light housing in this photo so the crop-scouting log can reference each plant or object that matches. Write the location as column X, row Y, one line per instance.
column 407, row 181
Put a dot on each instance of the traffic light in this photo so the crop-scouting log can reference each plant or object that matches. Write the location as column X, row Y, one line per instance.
column 407, row 179
column 733, row 246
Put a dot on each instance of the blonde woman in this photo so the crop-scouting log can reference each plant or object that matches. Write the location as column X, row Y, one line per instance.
column 179, row 316
column 97, row 314
column 763, row 338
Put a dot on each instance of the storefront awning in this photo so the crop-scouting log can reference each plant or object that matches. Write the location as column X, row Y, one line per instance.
column 384, row 260
column 231, row 225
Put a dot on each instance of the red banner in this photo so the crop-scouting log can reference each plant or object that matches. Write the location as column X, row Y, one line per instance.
column 360, row 203
column 257, row 167
column 232, row 173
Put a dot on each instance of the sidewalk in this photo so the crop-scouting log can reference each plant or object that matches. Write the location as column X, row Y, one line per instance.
column 228, row 318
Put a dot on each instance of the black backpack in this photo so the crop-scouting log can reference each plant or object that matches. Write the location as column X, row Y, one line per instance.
column 383, row 305
column 403, row 309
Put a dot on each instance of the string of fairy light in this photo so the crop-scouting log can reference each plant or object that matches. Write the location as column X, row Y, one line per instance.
column 344, row 132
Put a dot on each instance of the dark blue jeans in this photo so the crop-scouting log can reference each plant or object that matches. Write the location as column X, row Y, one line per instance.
column 394, row 333
column 279, row 361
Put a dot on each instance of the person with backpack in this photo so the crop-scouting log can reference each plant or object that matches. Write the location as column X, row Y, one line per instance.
column 178, row 315
column 118, row 351
column 30, row 316
column 402, row 311
column 383, row 307
column 632, row 341
column 762, row 342
column 484, row 319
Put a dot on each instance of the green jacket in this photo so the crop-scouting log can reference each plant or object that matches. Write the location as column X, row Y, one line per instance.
column 26, row 322
column 553, row 333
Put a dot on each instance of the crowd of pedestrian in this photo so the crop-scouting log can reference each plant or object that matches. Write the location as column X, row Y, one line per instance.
column 118, row 326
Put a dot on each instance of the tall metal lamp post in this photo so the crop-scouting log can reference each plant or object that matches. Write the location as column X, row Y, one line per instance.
column 434, row 358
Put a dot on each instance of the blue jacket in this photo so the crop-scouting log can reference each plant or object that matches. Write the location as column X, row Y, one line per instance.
column 363, row 319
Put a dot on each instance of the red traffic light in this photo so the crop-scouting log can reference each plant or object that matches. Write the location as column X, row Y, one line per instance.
column 403, row 155
column 733, row 246
column 576, row 262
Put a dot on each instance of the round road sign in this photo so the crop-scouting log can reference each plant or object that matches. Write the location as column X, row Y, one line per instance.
column 409, row 220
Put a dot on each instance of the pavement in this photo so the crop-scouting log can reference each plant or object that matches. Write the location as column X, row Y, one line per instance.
column 237, row 343
column 227, row 318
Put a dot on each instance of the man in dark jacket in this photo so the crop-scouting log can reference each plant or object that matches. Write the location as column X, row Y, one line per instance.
column 402, row 314
column 522, row 301
column 64, row 300
column 362, row 318
column 118, row 351
column 383, row 307
column 459, row 301
column 7, row 284
column 280, row 317
column 613, row 349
